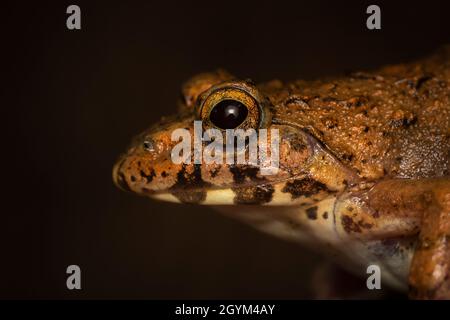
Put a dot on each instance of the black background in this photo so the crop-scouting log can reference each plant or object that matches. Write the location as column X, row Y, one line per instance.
column 72, row 100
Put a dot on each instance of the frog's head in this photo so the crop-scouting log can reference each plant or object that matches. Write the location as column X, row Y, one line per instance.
column 304, row 172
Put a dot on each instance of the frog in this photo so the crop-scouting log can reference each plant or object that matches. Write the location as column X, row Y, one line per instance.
column 363, row 170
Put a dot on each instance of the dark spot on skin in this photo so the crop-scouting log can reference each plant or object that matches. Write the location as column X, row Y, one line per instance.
column 403, row 122
column 325, row 215
column 253, row 195
column 164, row 174
column 194, row 179
column 366, row 129
column 347, row 157
column 295, row 100
column 304, row 187
column 349, row 225
column 421, row 81
column 182, row 189
column 133, row 178
column 148, row 177
column 214, row 172
column 350, row 208
column 359, row 102
column 312, row 213
column 240, row 173
column 409, row 122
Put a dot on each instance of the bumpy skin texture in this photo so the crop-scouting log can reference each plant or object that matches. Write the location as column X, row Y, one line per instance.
column 363, row 172
column 394, row 122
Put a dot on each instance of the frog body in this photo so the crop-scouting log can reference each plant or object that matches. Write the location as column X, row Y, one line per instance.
column 363, row 171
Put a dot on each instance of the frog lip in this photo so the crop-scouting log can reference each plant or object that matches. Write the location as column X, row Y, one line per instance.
column 217, row 189
column 276, row 195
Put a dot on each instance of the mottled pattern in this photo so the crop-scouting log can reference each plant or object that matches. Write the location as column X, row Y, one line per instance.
column 304, row 187
column 312, row 213
column 186, row 180
column 344, row 144
column 393, row 121
column 351, row 224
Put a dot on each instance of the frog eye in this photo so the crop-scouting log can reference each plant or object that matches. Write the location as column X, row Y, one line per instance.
column 232, row 105
column 228, row 114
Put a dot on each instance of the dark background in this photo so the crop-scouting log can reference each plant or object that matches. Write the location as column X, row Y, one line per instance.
column 72, row 100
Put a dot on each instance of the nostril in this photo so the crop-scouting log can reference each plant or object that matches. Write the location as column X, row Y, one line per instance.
column 148, row 145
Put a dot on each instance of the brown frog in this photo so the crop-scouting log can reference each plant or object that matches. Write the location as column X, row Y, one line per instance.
column 363, row 167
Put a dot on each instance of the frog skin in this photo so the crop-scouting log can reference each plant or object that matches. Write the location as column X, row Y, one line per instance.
column 363, row 166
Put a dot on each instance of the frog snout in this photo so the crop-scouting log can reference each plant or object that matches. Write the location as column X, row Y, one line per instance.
column 119, row 178
column 146, row 167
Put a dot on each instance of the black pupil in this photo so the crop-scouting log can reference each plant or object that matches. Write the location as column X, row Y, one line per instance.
column 228, row 114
